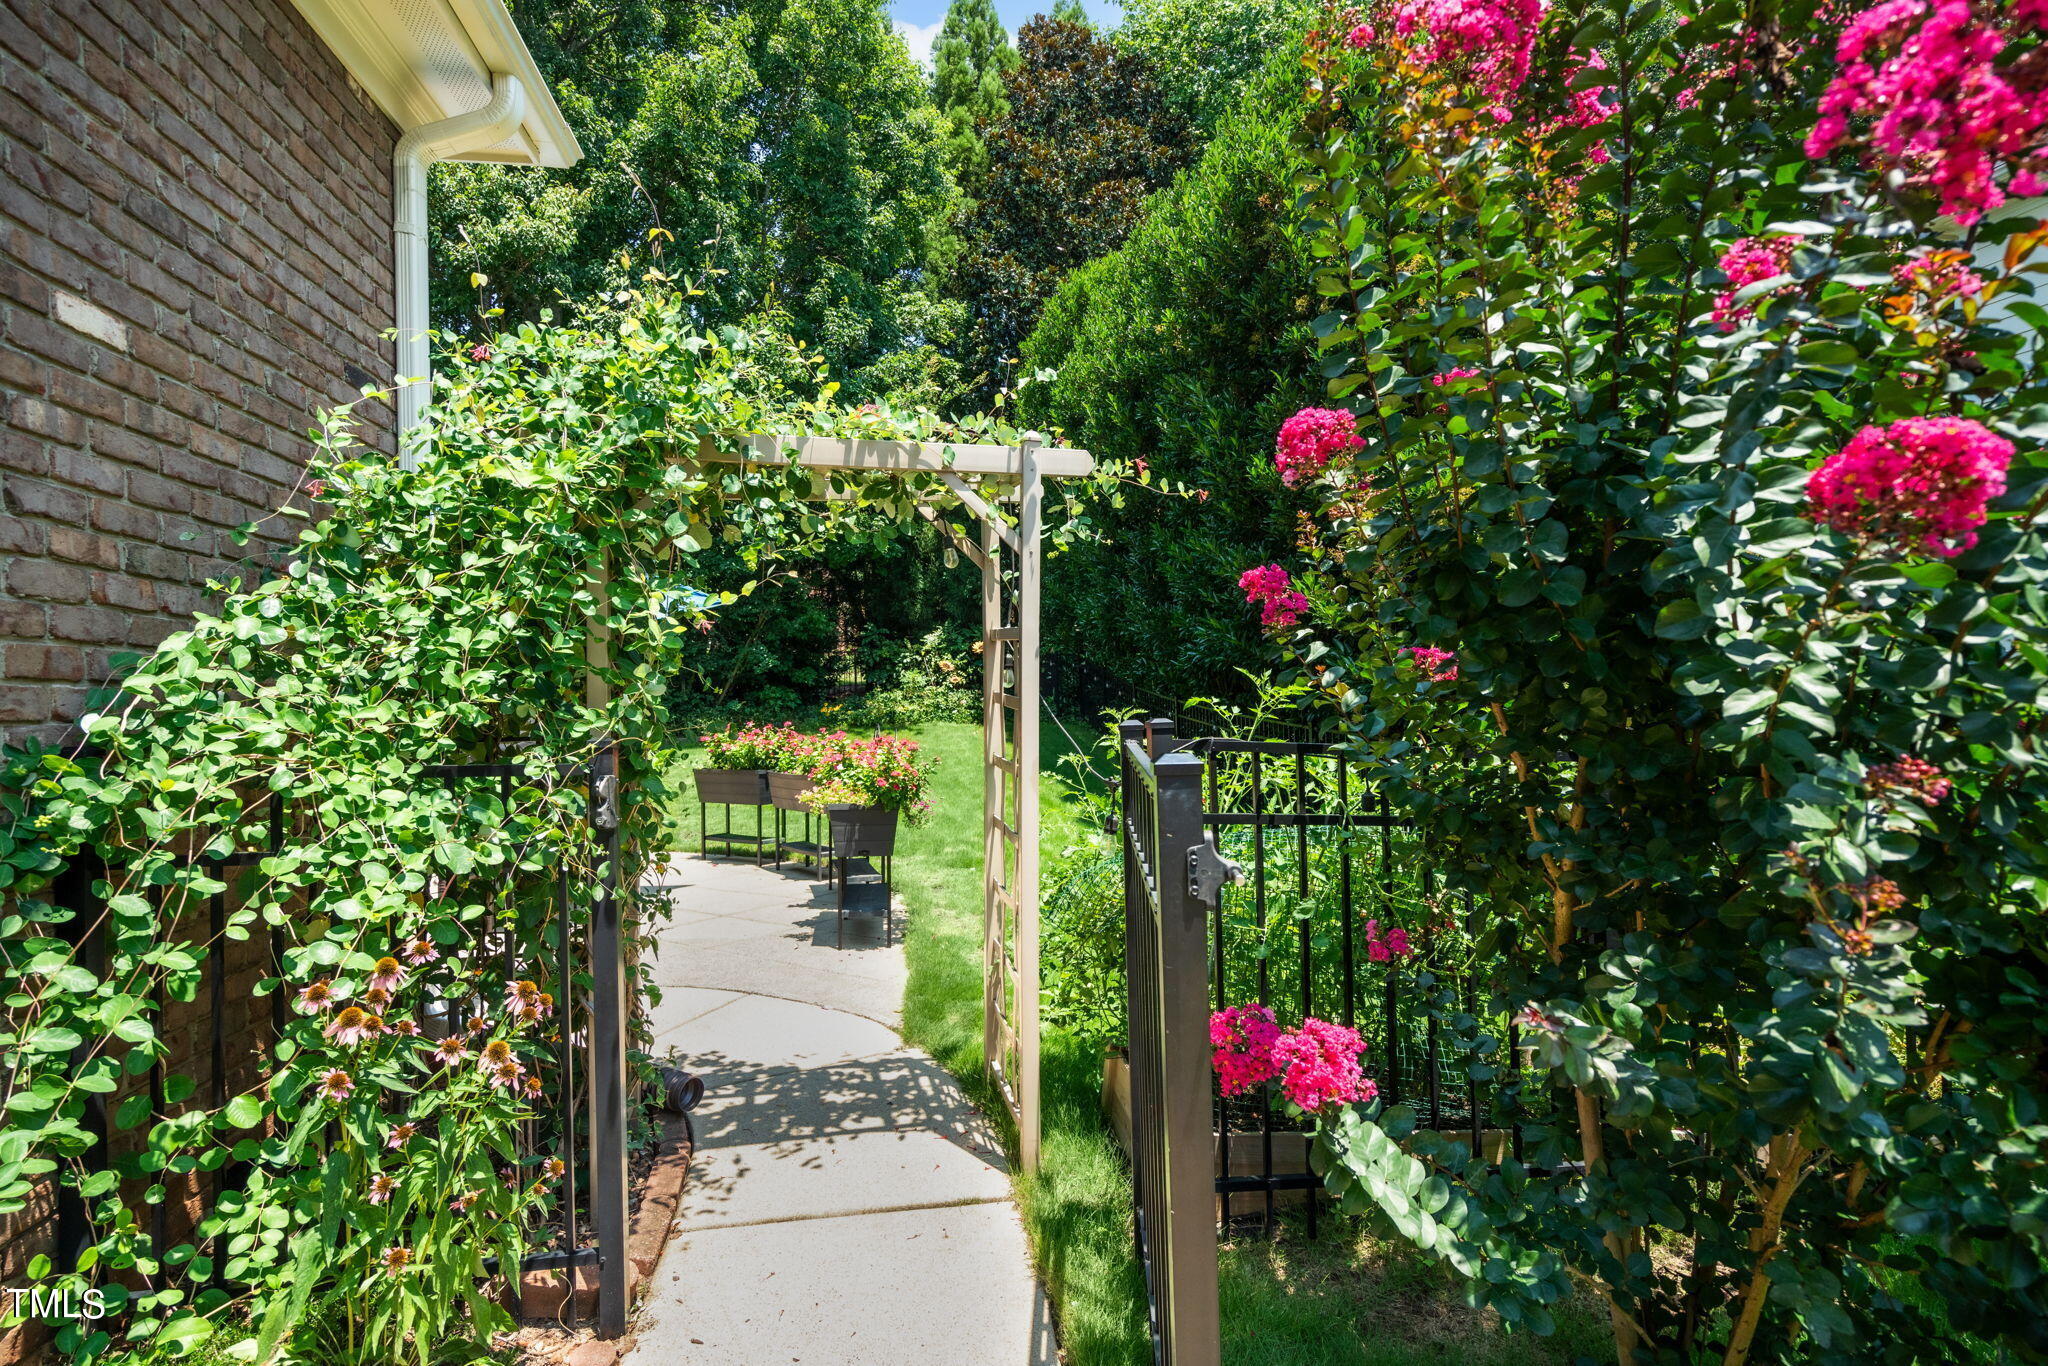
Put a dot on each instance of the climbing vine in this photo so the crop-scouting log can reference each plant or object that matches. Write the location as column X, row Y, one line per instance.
column 369, row 1164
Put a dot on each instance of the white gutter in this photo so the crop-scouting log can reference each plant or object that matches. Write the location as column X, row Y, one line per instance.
column 421, row 146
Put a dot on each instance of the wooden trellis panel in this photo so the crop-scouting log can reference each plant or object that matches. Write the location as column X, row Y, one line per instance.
column 1010, row 588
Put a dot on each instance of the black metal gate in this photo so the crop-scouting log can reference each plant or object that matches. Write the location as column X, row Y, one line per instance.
column 1273, row 872
column 585, row 1124
column 1172, row 1171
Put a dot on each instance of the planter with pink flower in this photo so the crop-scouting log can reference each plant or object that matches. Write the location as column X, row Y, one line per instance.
column 737, row 761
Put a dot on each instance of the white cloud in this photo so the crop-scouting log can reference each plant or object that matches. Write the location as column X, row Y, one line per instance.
column 920, row 38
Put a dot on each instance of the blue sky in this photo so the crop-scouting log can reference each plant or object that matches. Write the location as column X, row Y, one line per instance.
column 919, row 20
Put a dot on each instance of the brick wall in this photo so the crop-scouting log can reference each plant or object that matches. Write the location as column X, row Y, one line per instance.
column 196, row 203
column 196, row 209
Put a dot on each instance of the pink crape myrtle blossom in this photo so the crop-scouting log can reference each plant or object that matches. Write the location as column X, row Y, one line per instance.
column 1939, row 275
column 1920, row 483
column 1751, row 259
column 1909, row 777
column 1438, row 666
column 1454, row 375
column 1360, row 37
column 1929, row 83
column 1492, row 41
column 1243, row 1039
column 1319, row 1066
column 1269, row 586
column 1311, row 439
column 1587, row 105
column 1383, row 948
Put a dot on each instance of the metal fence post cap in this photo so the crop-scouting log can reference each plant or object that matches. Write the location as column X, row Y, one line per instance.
column 1130, row 730
column 1179, row 767
column 1161, row 725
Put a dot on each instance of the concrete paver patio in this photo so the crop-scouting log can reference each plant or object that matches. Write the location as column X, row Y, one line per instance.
column 847, row 1206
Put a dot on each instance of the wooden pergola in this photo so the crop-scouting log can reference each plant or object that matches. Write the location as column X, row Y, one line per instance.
column 1003, row 489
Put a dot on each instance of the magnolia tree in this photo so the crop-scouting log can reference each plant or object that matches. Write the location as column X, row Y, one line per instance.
column 1677, row 559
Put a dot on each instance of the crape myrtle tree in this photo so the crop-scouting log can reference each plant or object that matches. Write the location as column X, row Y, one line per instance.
column 791, row 147
column 1679, row 565
column 1086, row 139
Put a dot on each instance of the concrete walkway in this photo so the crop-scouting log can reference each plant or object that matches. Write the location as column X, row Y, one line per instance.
column 847, row 1206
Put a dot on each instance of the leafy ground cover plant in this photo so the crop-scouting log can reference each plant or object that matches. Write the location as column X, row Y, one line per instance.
column 1678, row 560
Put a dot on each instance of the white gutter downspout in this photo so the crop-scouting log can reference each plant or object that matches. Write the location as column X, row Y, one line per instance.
column 421, row 146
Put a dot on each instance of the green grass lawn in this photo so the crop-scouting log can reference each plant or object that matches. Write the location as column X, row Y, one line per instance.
column 1348, row 1298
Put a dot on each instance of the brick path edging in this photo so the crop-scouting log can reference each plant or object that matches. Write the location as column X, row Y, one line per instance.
column 542, row 1291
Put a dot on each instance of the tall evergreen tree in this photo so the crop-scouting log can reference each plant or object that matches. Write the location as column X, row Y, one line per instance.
column 789, row 145
column 1088, row 137
column 969, row 61
column 1206, row 52
column 1071, row 12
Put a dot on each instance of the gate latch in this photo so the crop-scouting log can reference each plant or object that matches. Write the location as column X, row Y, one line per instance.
column 1208, row 871
column 605, row 813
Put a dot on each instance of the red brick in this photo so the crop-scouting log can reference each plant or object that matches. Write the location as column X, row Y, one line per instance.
column 54, row 663
column 82, row 547
column 34, row 498
column 48, row 580
column 210, row 175
column 22, row 703
column 22, row 618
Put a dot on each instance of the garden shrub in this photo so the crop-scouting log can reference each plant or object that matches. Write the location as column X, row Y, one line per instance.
column 1679, row 561
column 1176, row 356
column 439, row 616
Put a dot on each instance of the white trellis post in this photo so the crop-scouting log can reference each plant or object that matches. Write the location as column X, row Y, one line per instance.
column 1011, row 560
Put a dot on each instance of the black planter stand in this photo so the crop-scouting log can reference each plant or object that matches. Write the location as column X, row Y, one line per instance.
column 862, row 847
column 784, row 789
column 727, row 788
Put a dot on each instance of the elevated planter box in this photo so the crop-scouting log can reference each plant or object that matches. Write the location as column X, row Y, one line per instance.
column 784, row 789
column 732, row 786
column 727, row 788
column 861, row 841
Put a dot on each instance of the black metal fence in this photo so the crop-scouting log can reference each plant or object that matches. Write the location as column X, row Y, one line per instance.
column 531, row 933
column 1317, row 901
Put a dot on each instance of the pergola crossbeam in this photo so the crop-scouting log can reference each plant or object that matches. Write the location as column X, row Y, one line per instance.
column 971, row 500
column 861, row 456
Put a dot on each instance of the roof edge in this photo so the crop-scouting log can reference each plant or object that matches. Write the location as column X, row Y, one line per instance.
column 386, row 58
